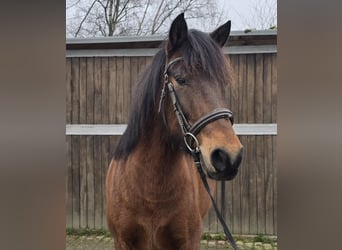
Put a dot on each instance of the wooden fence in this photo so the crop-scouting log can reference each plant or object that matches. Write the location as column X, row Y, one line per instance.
column 99, row 78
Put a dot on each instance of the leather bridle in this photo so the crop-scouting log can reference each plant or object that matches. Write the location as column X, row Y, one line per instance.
column 183, row 122
column 190, row 131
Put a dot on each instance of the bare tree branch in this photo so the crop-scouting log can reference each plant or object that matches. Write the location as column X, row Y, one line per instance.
column 73, row 4
column 143, row 18
column 85, row 17
column 135, row 17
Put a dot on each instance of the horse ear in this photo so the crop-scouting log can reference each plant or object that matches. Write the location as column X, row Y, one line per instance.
column 178, row 33
column 221, row 34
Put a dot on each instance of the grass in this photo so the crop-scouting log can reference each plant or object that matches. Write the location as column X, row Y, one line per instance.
column 87, row 232
column 206, row 236
column 211, row 236
column 263, row 239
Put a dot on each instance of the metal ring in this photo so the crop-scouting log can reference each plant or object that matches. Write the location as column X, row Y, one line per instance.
column 193, row 141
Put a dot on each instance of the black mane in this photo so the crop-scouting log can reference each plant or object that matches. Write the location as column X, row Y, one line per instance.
column 200, row 53
column 143, row 106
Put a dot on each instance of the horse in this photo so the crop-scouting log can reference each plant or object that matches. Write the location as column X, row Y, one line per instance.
column 154, row 196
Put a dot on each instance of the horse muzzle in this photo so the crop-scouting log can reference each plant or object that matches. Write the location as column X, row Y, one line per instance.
column 225, row 164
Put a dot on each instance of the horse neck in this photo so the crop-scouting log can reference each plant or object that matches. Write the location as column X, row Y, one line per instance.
column 160, row 145
column 159, row 154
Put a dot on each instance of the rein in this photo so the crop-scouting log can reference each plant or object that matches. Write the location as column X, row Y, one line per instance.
column 190, row 139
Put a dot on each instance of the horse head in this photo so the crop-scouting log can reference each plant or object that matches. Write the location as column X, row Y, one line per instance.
column 196, row 75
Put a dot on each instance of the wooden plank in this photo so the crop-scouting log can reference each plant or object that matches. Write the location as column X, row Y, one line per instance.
column 141, row 64
column 97, row 146
column 222, row 200
column 75, row 72
column 104, row 139
column 105, row 90
column 227, row 191
column 259, row 89
column 98, row 198
column 120, row 94
column 112, row 90
column 260, row 184
column 141, row 71
column 250, row 49
column 274, row 141
column 75, row 181
column 234, row 187
column 126, row 88
column 215, row 223
column 267, row 71
column 83, row 90
column 245, row 188
column 252, row 199
column 274, row 88
column 68, row 91
column 82, row 139
column 212, row 221
column 83, row 182
column 75, row 90
column 237, row 192
column 275, row 186
column 90, row 90
column 69, row 193
column 251, row 88
column 105, row 160
column 69, row 188
column 255, row 129
column 227, row 87
column 97, row 91
column 89, row 157
column 138, row 52
column 259, row 145
column 239, row 36
column 119, row 129
column 134, row 73
column 269, row 192
column 90, row 143
column 234, row 88
column 251, row 145
column 242, row 80
column 253, row 224
column 233, row 191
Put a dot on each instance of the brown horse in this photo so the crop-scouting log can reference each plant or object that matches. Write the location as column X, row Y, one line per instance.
column 155, row 198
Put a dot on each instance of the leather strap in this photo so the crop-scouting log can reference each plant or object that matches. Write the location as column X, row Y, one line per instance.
column 197, row 159
column 210, row 117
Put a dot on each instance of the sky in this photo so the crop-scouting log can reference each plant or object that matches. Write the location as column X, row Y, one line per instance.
column 242, row 13
column 236, row 11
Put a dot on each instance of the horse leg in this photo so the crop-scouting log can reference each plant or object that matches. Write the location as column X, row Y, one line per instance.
column 130, row 236
column 194, row 238
column 118, row 243
column 180, row 236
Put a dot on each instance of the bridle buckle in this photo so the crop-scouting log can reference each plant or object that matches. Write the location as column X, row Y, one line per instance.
column 191, row 142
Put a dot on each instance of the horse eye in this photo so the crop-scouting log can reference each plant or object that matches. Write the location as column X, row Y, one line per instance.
column 180, row 80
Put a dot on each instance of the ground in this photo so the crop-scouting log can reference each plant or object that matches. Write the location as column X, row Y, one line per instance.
column 102, row 242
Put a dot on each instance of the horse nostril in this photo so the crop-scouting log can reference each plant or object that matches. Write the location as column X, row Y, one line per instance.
column 220, row 159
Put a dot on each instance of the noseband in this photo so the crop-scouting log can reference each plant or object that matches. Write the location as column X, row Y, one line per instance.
column 190, row 131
